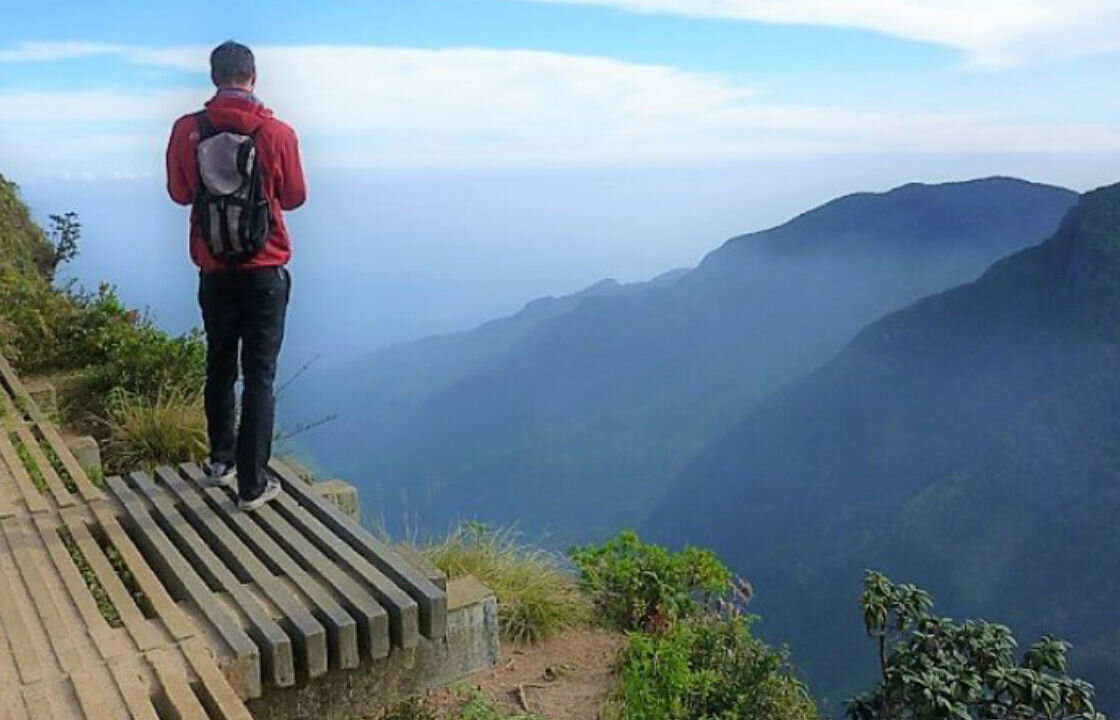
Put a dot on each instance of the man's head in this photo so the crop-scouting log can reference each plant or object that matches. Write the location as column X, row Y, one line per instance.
column 232, row 65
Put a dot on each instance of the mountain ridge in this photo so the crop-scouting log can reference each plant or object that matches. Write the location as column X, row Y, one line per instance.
column 966, row 442
column 588, row 405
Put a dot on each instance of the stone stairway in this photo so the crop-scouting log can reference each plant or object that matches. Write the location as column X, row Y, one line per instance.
column 151, row 596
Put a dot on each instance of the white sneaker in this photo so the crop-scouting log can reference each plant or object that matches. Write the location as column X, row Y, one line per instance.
column 220, row 475
column 271, row 491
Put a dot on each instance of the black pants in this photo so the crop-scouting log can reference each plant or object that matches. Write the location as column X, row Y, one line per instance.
column 243, row 311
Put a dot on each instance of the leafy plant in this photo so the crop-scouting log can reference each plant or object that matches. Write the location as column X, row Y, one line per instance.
column 708, row 668
column 935, row 669
column 639, row 586
column 537, row 597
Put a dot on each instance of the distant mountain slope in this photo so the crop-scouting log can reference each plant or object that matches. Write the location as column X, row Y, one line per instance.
column 573, row 416
column 969, row 443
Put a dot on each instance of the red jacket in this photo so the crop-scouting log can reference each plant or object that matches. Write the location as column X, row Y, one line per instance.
column 281, row 173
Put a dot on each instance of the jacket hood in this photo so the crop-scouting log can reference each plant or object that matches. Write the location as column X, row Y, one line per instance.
column 237, row 114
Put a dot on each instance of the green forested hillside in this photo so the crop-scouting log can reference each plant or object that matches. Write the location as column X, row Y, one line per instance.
column 969, row 443
column 573, row 416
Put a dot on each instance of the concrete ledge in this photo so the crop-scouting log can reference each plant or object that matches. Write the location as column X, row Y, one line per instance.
column 471, row 645
column 43, row 393
column 85, row 451
column 342, row 494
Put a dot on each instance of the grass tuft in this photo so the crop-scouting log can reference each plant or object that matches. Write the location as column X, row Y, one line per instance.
column 59, row 468
column 116, row 561
column 146, row 433
column 33, row 471
column 104, row 604
column 537, row 596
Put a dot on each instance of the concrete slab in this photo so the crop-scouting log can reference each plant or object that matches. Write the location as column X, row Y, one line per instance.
column 372, row 618
column 342, row 629
column 215, row 605
column 277, row 657
column 404, row 612
column 308, row 635
column 243, row 661
column 431, row 600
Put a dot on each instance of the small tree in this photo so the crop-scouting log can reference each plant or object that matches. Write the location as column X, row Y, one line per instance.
column 64, row 235
column 935, row 669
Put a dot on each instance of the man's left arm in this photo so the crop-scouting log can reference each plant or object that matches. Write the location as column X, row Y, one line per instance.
column 181, row 163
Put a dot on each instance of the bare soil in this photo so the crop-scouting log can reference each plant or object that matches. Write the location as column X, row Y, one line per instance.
column 566, row 678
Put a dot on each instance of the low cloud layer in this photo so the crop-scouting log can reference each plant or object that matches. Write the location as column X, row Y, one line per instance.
column 368, row 106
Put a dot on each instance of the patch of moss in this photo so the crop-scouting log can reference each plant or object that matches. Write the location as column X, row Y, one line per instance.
column 120, row 567
column 104, row 604
column 33, row 471
column 59, row 468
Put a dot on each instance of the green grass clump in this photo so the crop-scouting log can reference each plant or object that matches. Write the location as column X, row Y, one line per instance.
column 116, row 561
column 145, row 433
column 96, row 477
column 33, row 471
column 104, row 604
column 537, row 597
column 59, row 468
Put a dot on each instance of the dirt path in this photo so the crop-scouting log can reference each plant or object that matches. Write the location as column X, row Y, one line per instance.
column 564, row 679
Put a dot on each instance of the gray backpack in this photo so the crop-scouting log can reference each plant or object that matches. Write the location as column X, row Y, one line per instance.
column 230, row 207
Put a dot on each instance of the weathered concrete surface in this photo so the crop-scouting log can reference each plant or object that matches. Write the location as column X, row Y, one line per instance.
column 432, row 601
column 433, row 573
column 342, row 494
column 88, row 629
column 152, row 596
column 43, row 394
column 85, row 451
column 471, row 644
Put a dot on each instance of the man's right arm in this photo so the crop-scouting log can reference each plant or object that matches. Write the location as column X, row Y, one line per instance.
column 181, row 163
column 293, row 188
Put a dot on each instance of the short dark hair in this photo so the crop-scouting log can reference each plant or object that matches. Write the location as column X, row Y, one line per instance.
column 232, row 63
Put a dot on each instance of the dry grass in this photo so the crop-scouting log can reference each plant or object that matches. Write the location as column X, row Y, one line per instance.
column 538, row 597
column 142, row 434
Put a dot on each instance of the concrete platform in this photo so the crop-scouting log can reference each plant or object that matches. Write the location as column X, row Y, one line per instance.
column 150, row 596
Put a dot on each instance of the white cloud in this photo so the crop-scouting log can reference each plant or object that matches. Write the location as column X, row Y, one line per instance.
column 993, row 32
column 365, row 106
column 44, row 51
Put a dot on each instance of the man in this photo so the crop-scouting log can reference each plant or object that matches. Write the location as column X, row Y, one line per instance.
column 244, row 285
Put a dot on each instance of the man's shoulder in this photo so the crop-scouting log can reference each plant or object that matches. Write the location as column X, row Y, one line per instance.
column 279, row 128
column 188, row 123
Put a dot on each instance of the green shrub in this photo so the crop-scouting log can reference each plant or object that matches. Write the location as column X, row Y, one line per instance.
column 708, row 668
column 24, row 247
column 935, row 669
column 142, row 433
column 537, row 597
column 639, row 586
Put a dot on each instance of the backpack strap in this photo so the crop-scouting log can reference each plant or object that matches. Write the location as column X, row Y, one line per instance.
column 205, row 127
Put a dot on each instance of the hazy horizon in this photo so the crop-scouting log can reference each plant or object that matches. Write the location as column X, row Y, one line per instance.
column 400, row 255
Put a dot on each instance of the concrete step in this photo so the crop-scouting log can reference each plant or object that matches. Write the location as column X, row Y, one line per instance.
column 151, row 596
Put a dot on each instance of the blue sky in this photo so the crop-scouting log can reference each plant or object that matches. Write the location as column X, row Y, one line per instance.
column 466, row 156
column 87, row 89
